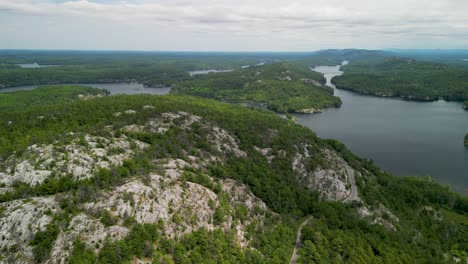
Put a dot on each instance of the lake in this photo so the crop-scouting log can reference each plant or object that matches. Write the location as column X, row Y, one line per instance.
column 402, row 137
column 113, row 88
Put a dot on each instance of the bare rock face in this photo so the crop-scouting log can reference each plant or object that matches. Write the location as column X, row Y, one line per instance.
column 81, row 158
column 220, row 139
column 242, row 199
column 20, row 221
column 166, row 197
column 88, row 96
column 335, row 182
column 380, row 215
column 182, row 208
column 87, row 229
column 310, row 110
column 270, row 154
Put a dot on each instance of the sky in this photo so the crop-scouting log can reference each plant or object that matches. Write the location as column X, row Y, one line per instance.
column 234, row 25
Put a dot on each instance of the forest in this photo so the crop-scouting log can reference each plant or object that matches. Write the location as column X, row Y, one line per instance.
column 42, row 96
column 406, row 78
column 154, row 69
column 432, row 226
column 282, row 87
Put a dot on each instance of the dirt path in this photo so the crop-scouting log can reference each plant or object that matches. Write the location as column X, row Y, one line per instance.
column 298, row 241
column 353, row 196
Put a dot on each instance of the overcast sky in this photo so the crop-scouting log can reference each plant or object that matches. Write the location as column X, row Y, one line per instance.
column 234, row 25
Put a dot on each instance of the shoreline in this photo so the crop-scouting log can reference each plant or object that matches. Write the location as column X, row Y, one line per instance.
column 404, row 98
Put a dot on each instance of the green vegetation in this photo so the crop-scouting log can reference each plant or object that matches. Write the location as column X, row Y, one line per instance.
column 82, row 255
column 466, row 140
column 154, row 69
column 22, row 100
column 338, row 233
column 201, row 246
column 332, row 57
column 281, row 87
column 410, row 79
column 43, row 241
column 455, row 217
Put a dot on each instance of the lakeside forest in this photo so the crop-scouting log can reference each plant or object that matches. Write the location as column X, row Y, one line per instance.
column 405, row 219
column 281, row 87
column 86, row 177
column 406, row 78
column 380, row 73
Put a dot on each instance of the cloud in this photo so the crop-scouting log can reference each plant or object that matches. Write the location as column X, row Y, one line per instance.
column 331, row 19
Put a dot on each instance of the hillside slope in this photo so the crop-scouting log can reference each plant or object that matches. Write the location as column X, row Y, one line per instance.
column 178, row 179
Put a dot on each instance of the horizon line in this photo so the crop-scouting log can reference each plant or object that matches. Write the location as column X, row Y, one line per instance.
column 238, row 51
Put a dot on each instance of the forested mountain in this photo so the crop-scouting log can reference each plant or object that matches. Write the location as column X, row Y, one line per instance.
column 88, row 178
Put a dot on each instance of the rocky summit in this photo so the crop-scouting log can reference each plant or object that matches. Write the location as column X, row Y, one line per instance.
column 176, row 179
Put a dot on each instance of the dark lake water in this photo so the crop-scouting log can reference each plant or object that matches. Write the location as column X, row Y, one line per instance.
column 402, row 137
column 114, row 88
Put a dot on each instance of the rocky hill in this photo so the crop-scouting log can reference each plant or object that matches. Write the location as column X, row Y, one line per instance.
column 176, row 179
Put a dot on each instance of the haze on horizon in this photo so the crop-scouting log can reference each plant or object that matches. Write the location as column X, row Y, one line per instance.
column 221, row 25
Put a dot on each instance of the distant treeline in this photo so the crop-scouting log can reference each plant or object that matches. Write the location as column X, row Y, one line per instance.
column 151, row 68
column 407, row 78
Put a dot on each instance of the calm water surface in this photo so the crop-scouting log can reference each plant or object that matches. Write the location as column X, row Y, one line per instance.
column 114, row 88
column 402, row 137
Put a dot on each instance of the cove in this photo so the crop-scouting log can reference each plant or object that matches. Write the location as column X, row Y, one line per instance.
column 405, row 138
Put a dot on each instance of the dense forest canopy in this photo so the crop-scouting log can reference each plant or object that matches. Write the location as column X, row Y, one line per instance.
column 42, row 96
column 151, row 68
column 395, row 219
column 282, row 87
column 400, row 77
column 432, row 221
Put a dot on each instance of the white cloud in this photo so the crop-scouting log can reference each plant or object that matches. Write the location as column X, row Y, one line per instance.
column 318, row 22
